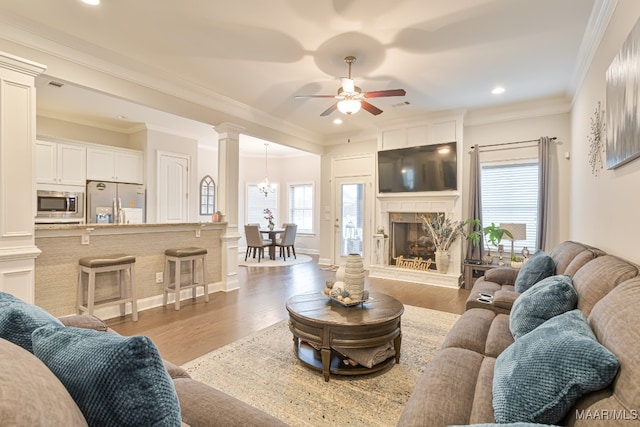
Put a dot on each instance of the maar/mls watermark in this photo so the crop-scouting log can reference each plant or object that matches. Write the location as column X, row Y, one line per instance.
column 608, row 414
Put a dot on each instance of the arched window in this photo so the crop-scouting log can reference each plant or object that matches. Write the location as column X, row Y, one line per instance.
column 207, row 196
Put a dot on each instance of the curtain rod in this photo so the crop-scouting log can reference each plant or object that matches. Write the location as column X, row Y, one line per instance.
column 515, row 142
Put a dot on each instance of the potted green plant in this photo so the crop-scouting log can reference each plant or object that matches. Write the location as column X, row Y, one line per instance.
column 491, row 235
column 516, row 262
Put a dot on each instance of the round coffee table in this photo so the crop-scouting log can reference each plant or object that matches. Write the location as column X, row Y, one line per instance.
column 315, row 318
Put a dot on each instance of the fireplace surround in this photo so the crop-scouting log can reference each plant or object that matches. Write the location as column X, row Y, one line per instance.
column 400, row 214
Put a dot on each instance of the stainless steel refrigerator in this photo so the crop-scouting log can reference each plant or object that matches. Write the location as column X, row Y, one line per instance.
column 113, row 202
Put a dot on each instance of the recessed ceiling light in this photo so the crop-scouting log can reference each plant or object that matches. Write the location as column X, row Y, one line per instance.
column 337, row 122
column 91, row 2
column 121, row 117
column 497, row 90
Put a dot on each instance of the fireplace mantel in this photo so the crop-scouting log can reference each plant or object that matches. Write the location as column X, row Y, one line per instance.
column 436, row 201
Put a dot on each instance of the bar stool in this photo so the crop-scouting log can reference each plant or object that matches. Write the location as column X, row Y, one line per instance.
column 119, row 263
column 178, row 256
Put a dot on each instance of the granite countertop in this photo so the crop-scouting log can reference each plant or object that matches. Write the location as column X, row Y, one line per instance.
column 115, row 227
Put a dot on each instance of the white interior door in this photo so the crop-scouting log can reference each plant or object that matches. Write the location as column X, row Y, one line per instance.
column 353, row 218
column 173, row 188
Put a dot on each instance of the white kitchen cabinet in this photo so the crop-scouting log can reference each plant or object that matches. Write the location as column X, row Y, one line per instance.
column 60, row 163
column 118, row 165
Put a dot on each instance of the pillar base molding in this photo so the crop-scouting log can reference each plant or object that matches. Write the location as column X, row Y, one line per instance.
column 230, row 260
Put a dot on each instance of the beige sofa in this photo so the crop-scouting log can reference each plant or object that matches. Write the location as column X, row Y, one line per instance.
column 33, row 396
column 457, row 385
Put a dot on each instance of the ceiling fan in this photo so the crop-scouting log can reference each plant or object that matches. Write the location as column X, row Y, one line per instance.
column 350, row 97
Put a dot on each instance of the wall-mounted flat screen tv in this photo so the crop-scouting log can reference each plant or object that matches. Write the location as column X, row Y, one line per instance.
column 425, row 168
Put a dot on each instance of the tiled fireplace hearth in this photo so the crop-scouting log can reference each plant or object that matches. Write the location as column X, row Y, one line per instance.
column 401, row 217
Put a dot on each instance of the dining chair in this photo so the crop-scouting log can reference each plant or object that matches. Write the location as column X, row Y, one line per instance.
column 254, row 241
column 288, row 240
column 268, row 241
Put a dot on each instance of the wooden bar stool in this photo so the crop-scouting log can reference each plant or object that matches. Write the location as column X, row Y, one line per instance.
column 119, row 263
column 178, row 256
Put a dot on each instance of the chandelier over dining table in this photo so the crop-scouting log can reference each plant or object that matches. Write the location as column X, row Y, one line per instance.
column 264, row 187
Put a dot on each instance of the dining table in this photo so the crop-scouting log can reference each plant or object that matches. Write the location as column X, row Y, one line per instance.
column 273, row 234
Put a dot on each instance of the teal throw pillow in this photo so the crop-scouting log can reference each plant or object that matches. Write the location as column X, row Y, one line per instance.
column 19, row 319
column 547, row 298
column 541, row 375
column 115, row 380
column 538, row 267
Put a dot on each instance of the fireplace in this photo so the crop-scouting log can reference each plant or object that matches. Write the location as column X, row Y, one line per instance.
column 400, row 217
column 408, row 238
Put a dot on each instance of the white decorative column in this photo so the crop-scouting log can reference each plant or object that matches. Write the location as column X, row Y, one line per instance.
column 228, row 189
column 17, row 183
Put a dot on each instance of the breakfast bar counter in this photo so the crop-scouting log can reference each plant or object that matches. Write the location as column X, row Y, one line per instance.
column 62, row 245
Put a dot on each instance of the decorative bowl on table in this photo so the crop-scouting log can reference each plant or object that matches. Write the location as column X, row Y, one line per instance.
column 348, row 302
column 336, row 292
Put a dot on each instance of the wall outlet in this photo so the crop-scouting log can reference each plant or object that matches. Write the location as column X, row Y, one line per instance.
column 159, row 277
column 198, row 232
column 85, row 239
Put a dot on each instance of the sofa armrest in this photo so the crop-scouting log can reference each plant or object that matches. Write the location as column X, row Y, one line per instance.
column 205, row 406
column 175, row 371
column 505, row 298
column 502, row 275
column 85, row 321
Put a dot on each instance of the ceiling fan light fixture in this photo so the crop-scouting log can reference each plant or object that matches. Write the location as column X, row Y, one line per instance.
column 349, row 106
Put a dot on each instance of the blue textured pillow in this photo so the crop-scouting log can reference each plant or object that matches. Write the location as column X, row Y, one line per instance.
column 19, row 319
column 538, row 267
column 115, row 380
column 540, row 376
column 544, row 300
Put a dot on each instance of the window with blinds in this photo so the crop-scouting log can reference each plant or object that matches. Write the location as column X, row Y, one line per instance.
column 257, row 203
column 301, row 207
column 510, row 195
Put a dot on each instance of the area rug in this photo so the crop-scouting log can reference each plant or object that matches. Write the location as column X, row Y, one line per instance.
column 263, row 371
column 278, row 262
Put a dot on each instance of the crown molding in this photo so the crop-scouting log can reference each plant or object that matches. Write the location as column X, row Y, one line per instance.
column 518, row 111
column 21, row 65
column 594, row 33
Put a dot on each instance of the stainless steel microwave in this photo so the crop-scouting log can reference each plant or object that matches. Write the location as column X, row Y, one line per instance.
column 60, row 206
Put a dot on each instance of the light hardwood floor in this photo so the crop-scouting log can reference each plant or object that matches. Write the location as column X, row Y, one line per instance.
column 199, row 327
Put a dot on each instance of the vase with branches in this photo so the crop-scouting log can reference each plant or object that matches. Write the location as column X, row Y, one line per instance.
column 443, row 232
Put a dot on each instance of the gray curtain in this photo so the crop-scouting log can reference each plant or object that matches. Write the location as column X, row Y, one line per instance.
column 543, row 191
column 475, row 202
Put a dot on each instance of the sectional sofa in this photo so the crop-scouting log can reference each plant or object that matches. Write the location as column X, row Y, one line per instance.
column 482, row 373
column 74, row 371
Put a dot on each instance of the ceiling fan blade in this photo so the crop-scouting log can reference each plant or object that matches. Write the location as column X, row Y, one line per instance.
column 330, row 110
column 313, row 96
column 348, row 85
column 370, row 108
column 381, row 93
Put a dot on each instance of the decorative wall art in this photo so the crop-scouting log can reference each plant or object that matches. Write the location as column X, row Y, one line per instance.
column 623, row 93
column 596, row 141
